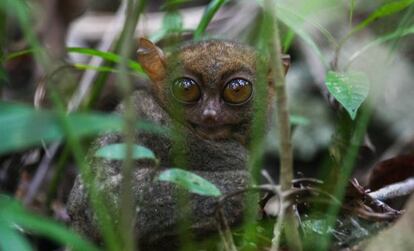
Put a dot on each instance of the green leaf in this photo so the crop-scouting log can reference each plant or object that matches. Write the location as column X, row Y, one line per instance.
column 23, row 127
column 208, row 14
column 12, row 213
column 11, row 240
column 299, row 120
column 350, row 89
column 118, row 152
column 109, row 56
column 190, row 181
column 172, row 21
column 385, row 10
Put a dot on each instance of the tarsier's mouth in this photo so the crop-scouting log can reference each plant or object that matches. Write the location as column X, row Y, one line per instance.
column 216, row 132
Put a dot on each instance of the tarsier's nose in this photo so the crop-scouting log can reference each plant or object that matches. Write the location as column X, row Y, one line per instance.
column 210, row 112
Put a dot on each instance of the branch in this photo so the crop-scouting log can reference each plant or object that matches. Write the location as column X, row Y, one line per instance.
column 399, row 189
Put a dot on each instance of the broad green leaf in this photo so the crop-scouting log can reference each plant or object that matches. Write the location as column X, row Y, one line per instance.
column 109, row 56
column 22, row 127
column 208, row 14
column 190, row 181
column 385, row 10
column 12, row 213
column 118, row 152
column 11, row 239
column 350, row 89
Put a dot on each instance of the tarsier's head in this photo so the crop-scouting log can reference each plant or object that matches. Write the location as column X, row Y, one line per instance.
column 208, row 86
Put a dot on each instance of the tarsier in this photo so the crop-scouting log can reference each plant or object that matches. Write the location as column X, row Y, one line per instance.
column 206, row 91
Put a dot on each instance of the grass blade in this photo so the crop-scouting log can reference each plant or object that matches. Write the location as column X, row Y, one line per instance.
column 13, row 213
column 395, row 35
column 383, row 11
column 109, row 56
column 209, row 13
column 24, row 127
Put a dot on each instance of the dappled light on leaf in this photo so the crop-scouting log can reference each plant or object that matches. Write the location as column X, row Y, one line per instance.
column 119, row 152
column 350, row 89
column 190, row 181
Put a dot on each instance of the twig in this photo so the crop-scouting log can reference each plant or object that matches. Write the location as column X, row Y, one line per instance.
column 266, row 175
column 50, row 151
column 277, row 229
column 224, row 231
column 399, row 189
column 41, row 173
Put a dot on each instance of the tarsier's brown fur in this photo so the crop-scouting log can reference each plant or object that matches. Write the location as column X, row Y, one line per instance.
column 215, row 136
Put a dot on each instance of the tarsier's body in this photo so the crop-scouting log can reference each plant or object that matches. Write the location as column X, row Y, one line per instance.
column 205, row 91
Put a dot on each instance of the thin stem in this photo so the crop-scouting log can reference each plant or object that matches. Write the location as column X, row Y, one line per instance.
column 224, row 231
column 285, row 148
column 208, row 15
column 127, row 201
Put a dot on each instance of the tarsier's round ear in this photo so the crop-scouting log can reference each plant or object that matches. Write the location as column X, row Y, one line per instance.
column 152, row 60
column 286, row 62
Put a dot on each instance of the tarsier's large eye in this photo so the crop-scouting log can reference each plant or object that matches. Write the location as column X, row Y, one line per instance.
column 186, row 90
column 237, row 91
